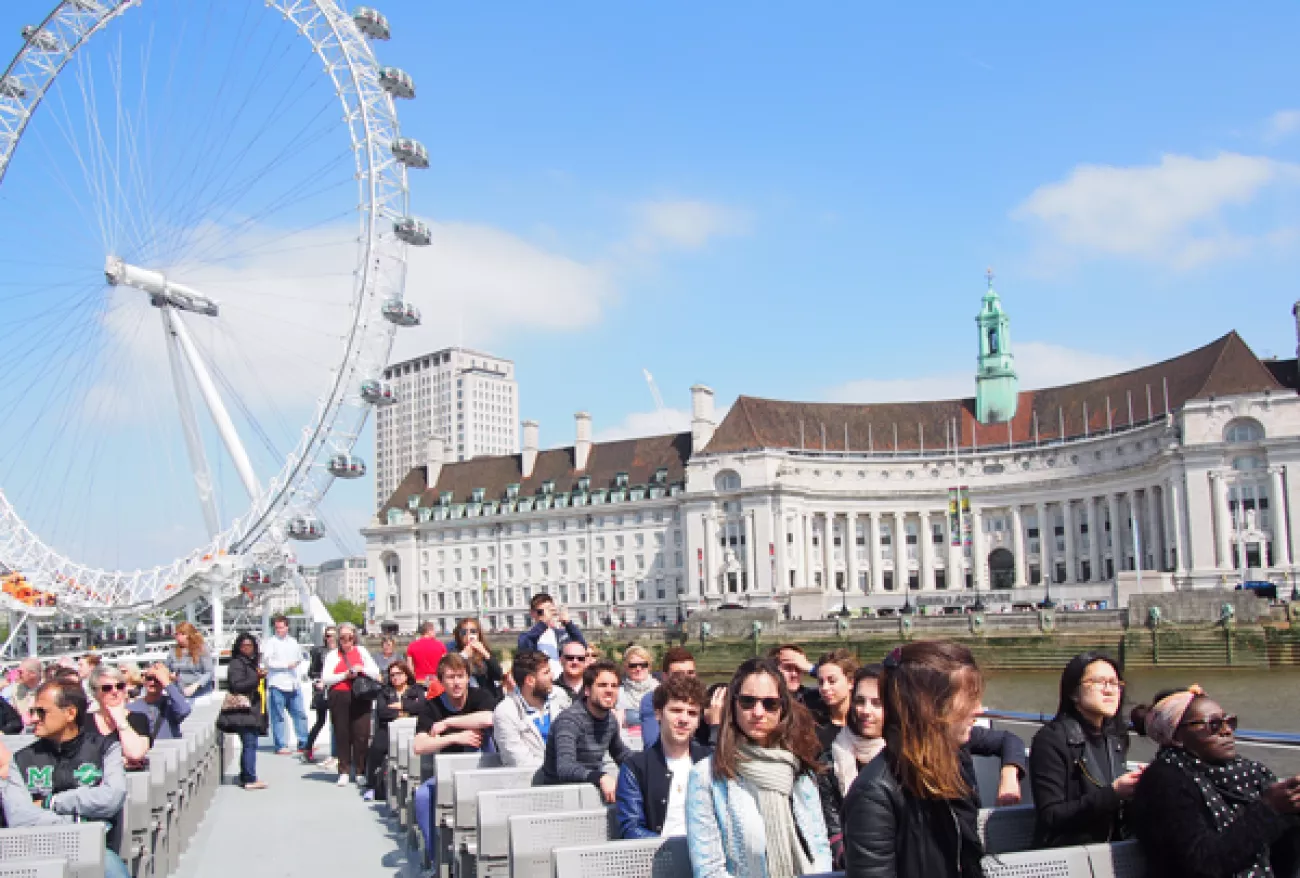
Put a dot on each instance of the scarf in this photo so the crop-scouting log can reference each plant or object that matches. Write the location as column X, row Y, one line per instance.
column 637, row 691
column 770, row 774
column 1166, row 714
column 848, row 751
column 1227, row 789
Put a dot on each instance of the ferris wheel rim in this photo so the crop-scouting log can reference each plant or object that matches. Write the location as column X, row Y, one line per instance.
column 303, row 478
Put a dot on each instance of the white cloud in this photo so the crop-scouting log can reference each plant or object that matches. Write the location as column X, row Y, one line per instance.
column 1281, row 125
column 685, row 224
column 646, row 424
column 1172, row 212
column 1039, row 364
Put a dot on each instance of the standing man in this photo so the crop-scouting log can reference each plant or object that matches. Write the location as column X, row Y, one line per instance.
column 522, row 721
column 573, row 664
column 582, row 735
column 652, row 783
column 424, row 656
column 163, row 704
column 22, row 694
column 282, row 656
column 551, row 630
column 454, row 722
column 68, row 775
column 387, row 655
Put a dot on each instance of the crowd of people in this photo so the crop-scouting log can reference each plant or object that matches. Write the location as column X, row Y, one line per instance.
column 870, row 770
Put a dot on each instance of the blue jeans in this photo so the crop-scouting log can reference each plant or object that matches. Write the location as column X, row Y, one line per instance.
column 114, row 867
column 248, row 757
column 279, row 701
column 425, row 795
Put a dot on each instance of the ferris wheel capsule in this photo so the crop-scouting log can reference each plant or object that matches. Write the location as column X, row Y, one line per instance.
column 88, row 5
column 41, row 39
column 9, row 88
column 306, row 528
column 401, row 313
column 378, row 392
column 411, row 153
column 257, row 577
column 347, row 466
column 413, row 231
column 371, row 22
column 397, row 82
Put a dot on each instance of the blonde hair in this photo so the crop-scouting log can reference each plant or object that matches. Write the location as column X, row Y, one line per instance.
column 193, row 641
column 636, row 652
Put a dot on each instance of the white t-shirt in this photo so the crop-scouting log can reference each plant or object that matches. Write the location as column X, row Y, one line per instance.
column 675, row 818
column 549, row 644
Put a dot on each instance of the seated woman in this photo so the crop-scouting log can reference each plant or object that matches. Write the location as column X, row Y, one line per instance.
column 913, row 810
column 1202, row 811
column 400, row 697
column 857, row 743
column 109, row 716
column 1077, row 761
column 752, row 808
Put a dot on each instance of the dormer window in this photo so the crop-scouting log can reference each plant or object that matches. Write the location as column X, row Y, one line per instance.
column 584, row 484
column 444, row 499
column 620, row 480
column 661, row 476
column 413, row 501
column 548, row 487
column 512, row 491
column 477, row 495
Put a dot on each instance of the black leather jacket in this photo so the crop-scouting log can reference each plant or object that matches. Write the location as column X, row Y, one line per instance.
column 890, row 834
column 1075, row 801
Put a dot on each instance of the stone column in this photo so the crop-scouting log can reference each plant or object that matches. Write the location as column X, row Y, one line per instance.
column 828, row 553
column 709, row 552
column 1154, row 540
column 807, row 577
column 873, row 546
column 979, row 561
column 1018, row 544
column 1277, row 522
column 1045, row 535
column 1116, row 533
column 1095, row 534
column 1222, row 522
column 780, row 578
column 851, row 552
column 900, row 551
column 1071, row 562
column 926, row 545
column 748, row 568
column 1176, row 523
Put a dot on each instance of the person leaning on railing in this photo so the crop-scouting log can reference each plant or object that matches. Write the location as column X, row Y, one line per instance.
column 1077, row 762
column 1202, row 811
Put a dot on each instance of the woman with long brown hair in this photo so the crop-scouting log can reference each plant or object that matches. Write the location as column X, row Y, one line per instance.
column 484, row 671
column 752, row 808
column 912, row 812
column 190, row 662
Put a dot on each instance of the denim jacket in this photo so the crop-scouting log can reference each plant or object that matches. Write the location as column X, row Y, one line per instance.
column 724, row 831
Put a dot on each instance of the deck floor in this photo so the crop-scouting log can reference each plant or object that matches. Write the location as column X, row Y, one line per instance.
column 301, row 825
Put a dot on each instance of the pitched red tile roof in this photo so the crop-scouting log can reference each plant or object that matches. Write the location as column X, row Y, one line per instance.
column 639, row 458
column 1224, row 367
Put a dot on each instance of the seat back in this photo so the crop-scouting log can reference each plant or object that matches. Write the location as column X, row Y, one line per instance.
column 1007, row 830
column 496, row 807
column 641, row 858
column 1070, row 862
column 445, row 766
column 534, row 836
column 468, row 784
column 35, row 869
column 1123, row 859
column 79, row 845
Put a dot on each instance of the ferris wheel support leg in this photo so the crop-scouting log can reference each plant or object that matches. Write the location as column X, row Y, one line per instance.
column 191, row 612
column 190, row 427
column 266, row 619
column 32, row 637
column 14, row 628
column 218, row 623
column 216, row 407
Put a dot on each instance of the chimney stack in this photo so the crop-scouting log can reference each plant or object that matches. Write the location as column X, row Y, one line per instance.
column 582, row 442
column 702, row 423
column 529, row 460
column 435, row 454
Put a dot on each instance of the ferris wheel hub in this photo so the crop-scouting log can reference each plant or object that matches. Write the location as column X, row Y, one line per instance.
column 162, row 292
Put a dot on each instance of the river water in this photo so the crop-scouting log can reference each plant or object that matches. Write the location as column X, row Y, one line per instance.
column 1263, row 699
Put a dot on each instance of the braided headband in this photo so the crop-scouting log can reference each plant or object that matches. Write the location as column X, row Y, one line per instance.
column 1167, row 714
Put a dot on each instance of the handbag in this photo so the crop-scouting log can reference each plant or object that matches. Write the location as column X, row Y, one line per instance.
column 364, row 688
column 233, row 703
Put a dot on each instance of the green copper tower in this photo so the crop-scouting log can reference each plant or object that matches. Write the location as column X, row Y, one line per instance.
column 996, row 387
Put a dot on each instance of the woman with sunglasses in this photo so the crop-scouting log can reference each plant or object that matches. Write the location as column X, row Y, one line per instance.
column 637, row 683
column 913, row 811
column 400, row 697
column 1077, row 762
column 1202, row 811
column 349, row 716
column 752, row 808
column 484, row 671
column 112, row 719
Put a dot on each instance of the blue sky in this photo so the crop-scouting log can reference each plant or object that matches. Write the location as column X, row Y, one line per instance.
column 800, row 202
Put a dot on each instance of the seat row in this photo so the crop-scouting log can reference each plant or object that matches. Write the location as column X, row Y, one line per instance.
column 495, row 822
column 164, row 804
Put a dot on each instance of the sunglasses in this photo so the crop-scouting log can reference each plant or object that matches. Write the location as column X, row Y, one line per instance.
column 150, row 678
column 749, row 702
column 39, row 712
column 637, row 666
column 575, row 658
column 1215, row 724
column 465, row 632
column 110, row 687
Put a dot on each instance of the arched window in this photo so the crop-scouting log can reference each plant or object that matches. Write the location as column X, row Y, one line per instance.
column 727, row 480
column 1243, row 430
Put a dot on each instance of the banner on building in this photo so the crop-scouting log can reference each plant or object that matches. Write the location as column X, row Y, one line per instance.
column 954, row 516
column 370, row 600
column 965, row 516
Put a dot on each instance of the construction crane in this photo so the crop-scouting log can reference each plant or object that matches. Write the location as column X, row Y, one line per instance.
column 658, row 398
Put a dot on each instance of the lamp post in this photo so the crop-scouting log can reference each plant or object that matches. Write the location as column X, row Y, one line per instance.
column 844, row 599
column 907, row 609
column 1048, row 603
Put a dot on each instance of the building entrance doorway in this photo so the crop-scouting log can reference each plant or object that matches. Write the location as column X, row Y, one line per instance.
column 1002, row 568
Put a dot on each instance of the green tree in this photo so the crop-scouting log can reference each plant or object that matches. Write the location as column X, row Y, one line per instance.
column 344, row 610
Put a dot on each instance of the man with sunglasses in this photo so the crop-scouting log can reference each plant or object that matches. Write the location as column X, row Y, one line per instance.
column 552, row 629
column 573, row 662
column 163, row 704
column 70, row 774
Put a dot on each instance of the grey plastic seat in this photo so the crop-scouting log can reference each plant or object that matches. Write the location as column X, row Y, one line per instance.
column 1007, row 830
column 641, row 858
column 35, row 869
column 1072, row 862
column 79, row 845
column 1123, row 859
column 496, row 807
column 534, row 836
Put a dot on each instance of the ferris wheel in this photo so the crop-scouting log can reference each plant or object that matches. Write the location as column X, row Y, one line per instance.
column 204, row 226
